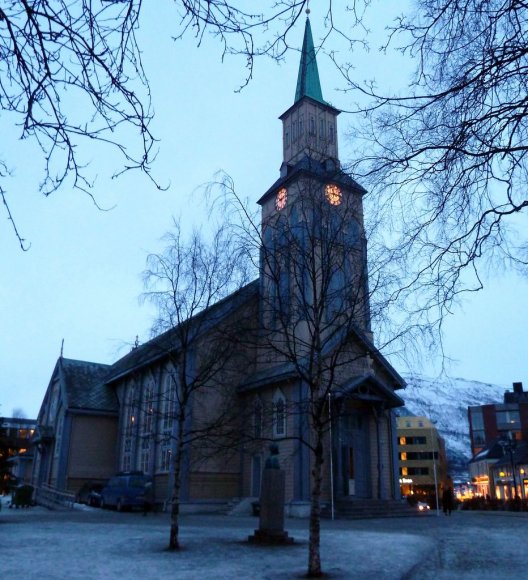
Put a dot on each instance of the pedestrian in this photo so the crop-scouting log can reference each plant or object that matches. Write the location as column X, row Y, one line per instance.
column 148, row 497
column 448, row 500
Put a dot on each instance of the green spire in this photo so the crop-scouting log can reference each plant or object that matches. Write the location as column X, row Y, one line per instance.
column 308, row 84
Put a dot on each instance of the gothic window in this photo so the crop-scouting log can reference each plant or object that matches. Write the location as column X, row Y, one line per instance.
column 145, row 461
column 165, row 458
column 127, row 462
column 312, row 125
column 331, row 132
column 170, row 402
column 149, row 410
column 279, row 415
column 257, row 419
column 321, row 128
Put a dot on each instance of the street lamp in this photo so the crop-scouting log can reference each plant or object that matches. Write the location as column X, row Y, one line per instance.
column 434, row 471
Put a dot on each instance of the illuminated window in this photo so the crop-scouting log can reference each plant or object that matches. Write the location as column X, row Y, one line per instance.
column 403, row 441
column 403, row 456
column 404, row 471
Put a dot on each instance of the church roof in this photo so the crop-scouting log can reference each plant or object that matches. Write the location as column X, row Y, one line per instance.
column 168, row 342
column 84, row 386
column 308, row 84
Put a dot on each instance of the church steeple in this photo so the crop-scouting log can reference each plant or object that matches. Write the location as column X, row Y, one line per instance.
column 310, row 124
column 308, row 84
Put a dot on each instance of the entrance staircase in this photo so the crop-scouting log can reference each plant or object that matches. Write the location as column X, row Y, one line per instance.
column 358, row 509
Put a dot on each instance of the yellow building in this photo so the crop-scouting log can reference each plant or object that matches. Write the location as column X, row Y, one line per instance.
column 422, row 459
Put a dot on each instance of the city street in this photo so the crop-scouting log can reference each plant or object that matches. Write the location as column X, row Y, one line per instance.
column 91, row 543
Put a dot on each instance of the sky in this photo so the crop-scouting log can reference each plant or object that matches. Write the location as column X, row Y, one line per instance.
column 80, row 281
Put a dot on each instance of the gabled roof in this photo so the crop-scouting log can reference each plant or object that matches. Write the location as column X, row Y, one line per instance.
column 84, row 386
column 288, row 372
column 366, row 387
column 160, row 346
column 308, row 83
column 314, row 169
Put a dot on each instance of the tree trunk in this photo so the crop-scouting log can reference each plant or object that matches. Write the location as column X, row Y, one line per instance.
column 174, row 539
column 314, row 546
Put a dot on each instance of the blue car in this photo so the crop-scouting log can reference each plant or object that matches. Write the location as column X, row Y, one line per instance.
column 125, row 491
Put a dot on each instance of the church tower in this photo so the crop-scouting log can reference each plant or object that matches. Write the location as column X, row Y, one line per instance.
column 313, row 238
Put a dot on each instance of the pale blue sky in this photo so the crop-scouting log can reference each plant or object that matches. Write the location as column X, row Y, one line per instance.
column 80, row 281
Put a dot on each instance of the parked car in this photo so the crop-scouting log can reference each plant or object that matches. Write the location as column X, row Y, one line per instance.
column 90, row 494
column 125, row 491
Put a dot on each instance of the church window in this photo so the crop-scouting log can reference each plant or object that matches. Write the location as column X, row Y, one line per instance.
column 301, row 128
column 294, row 131
column 165, row 458
column 312, row 125
column 145, row 461
column 331, row 133
column 127, row 462
column 321, row 128
column 279, row 415
column 287, row 138
column 148, row 411
column 169, row 404
column 257, row 419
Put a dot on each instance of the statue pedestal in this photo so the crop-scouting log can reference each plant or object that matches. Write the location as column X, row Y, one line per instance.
column 271, row 524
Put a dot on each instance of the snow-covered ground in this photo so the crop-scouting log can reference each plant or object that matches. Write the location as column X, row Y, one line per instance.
column 38, row 544
column 91, row 544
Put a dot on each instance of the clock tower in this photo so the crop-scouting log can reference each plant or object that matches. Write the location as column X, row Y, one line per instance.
column 313, row 241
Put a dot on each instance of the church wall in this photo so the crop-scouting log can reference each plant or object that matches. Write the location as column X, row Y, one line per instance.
column 92, row 454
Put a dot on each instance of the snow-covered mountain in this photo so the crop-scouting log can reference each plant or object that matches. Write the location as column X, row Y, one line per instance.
column 445, row 402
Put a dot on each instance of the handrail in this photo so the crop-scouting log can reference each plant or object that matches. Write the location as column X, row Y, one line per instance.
column 53, row 498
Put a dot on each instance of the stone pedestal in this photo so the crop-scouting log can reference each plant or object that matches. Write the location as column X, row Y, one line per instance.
column 271, row 524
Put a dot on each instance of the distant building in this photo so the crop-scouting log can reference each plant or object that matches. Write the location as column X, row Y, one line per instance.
column 422, row 458
column 489, row 422
column 498, row 432
column 15, row 452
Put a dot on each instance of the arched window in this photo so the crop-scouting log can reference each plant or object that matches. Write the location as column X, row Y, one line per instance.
column 257, row 419
column 279, row 415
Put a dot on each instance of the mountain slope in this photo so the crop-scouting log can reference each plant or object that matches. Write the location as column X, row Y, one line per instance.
column 445, row 402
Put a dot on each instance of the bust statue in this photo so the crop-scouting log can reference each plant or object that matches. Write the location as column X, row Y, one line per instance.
column 272, row 462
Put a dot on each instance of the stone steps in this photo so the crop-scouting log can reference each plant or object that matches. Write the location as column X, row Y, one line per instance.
column 370, row 508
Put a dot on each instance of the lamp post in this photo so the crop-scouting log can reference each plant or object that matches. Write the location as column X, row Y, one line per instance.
column 434, row 471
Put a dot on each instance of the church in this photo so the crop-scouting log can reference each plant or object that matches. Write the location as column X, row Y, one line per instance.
column 302, row 372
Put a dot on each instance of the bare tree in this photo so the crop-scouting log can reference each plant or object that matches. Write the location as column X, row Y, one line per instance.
column 446, row 160
column 188, row 282
column 315, row 314
column 72, row 72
